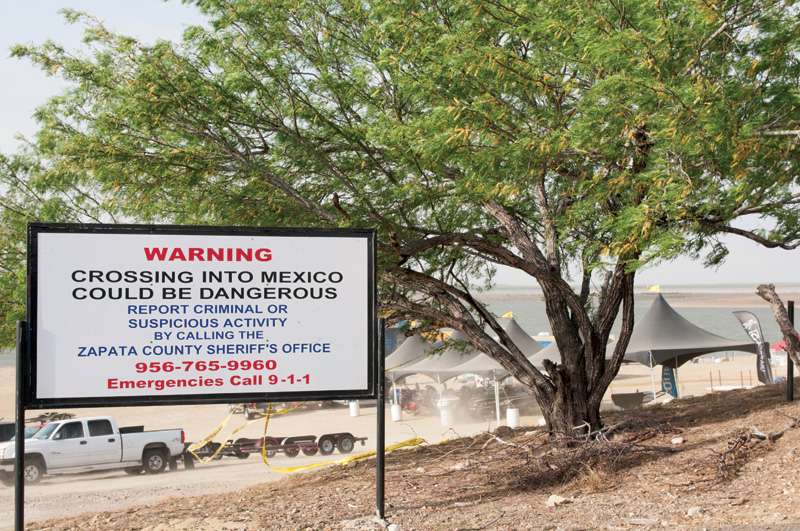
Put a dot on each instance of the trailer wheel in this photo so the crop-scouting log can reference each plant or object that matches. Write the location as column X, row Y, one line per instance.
column 248, row 413
column 292, row 452
column 133, row 470
column 346, row 443
column 267, row 451
column 32, row 470
column 326, row 445
column 310, row 451
column 154, row 461
column 242, row 455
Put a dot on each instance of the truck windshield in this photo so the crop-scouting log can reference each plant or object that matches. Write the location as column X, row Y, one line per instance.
column 45, row 432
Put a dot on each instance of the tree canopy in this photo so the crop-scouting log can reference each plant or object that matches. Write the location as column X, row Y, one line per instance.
column 546, row 136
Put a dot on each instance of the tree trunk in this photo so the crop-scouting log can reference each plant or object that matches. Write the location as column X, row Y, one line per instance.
column 767, row 292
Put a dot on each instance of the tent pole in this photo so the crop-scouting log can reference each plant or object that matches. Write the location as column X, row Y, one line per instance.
column 653, row 377
column 677, row 385
column 496, row 398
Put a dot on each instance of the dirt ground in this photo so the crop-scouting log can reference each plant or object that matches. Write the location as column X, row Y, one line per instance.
column 688, row 464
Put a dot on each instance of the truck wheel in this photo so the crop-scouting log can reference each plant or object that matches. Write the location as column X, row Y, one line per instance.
column 346, row 443
column 133, row 470
column 326, row 445
column 32, row 471
column 248, row 413
column 154, row 461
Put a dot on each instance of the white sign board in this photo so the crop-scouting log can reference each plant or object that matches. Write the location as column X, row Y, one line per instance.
column 128, row 314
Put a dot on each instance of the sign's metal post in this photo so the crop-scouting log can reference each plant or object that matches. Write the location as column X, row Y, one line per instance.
column 789, row 362
column 19, row 446
column 380, row 461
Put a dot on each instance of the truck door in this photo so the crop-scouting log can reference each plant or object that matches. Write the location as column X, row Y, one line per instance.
column 104, row 445
column 69, row 446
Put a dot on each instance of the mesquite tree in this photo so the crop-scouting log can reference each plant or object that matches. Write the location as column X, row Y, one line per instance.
column 574, row 141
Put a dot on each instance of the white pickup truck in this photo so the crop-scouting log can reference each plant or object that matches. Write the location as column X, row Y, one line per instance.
column 89, row 444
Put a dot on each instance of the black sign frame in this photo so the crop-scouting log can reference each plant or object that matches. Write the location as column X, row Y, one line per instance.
column 29, row 394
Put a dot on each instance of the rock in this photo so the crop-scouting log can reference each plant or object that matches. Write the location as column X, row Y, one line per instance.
column 555, row 500
column 677, row 440
column 393, row 527
column 695, row 511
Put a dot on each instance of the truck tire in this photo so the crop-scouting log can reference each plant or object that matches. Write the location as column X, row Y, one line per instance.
column 133, row 470
column 154, row 461
column 292, row 452
column 248, row 413
column 33, row 470
column 346, row 443
column 326, row 445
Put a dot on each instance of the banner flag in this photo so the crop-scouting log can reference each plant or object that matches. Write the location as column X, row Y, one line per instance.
column 668, row 384
column 656, row 288
column 753, row 329
column 509, row 315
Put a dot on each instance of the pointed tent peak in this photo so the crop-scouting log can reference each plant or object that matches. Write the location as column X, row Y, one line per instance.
column 412, row 347
column 550, row 352
column 457, row 335
column 522, row 339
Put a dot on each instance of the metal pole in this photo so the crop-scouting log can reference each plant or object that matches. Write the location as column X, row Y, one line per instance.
column 380, row 461
column 789, row 362
column 497, row 399
column 19, row 446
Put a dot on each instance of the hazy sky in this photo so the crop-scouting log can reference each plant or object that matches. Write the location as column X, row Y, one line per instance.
column 24, row 87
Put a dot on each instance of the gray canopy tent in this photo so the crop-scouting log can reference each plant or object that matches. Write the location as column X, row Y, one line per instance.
column 663, row 337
